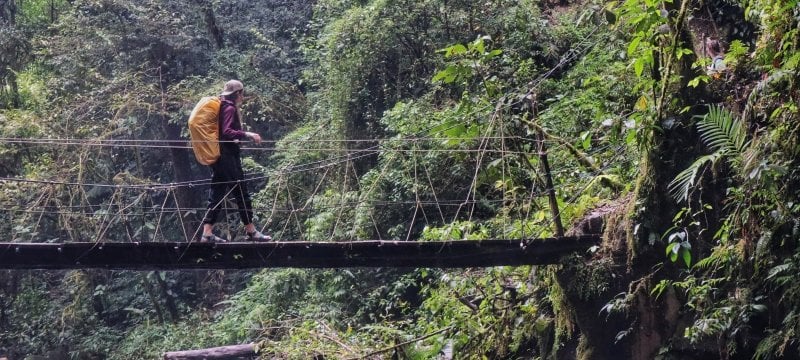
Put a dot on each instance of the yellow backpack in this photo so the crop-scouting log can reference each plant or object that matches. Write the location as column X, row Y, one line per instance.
column 204, row 130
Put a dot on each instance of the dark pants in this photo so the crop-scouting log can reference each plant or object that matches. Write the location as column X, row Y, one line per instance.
column 227, row 179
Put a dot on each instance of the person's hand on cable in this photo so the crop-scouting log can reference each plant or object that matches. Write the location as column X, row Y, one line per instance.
column 255, row 137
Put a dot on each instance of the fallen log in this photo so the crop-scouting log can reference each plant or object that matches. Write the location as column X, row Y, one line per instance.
column 232, row 352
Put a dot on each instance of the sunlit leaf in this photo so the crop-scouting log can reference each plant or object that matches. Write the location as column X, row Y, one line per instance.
column 454, row 50
column 638, row 66
column 641, row 104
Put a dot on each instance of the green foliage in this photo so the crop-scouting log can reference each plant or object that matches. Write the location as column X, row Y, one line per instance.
column 594, row 95
column 769, row 16
column 679, row 246
column 645, row 20
column 493, row 318
column 41, row 13
column 471, row 64
column 591, row 281
column 150, row 340
column 446, row 86
column 736, row 52
column 268, row 297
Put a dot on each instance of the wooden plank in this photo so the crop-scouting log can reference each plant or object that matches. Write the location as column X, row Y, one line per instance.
column 153, row 256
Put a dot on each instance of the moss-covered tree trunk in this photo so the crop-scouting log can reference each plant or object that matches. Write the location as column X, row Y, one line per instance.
column 625, row 320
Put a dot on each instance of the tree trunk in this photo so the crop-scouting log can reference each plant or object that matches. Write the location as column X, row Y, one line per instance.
column 10, row 288
column 181, row 165
column 12, row 82
column 244, row 351
column 211, row 24
column 169, row 301
column 148, row 288
column 8, row 12
column 52, row 11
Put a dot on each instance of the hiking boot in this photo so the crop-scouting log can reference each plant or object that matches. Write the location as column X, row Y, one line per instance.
column 258, row 236
column 212, row 238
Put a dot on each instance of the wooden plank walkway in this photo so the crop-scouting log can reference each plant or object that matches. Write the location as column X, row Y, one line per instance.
column 177, row 256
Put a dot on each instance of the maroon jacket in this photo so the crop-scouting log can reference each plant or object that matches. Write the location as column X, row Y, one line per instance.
column 230, row 126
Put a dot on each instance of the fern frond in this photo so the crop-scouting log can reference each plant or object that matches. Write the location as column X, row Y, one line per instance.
column 721, row 132
column 683, row 183
column 778, row 270
column 768, row 346
column 725, row 135
column 707, row 263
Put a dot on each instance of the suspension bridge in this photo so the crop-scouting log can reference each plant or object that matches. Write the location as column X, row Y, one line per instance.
column 140, row 250
column 127, row 230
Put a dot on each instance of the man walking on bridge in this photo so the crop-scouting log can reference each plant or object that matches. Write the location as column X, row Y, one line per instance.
column 227, row 176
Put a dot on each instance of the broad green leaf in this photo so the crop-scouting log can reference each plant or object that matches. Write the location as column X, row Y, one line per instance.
column 775, row 113
column 672, row 248
column 586, row 140
column 630, row 137
column 456, row 131
column 638, row 66
column 454, row 50
column 697, row 80
column 679, row 215
column 472, row 132
column 441, row 76
column 682, row 52
column 673, row 256
column 641, row 104
column 436, row 131
column 492, row 54
column 687, row 257
column 633, row 45
column 478, row 45
column 674, row 237
column 447, row 75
